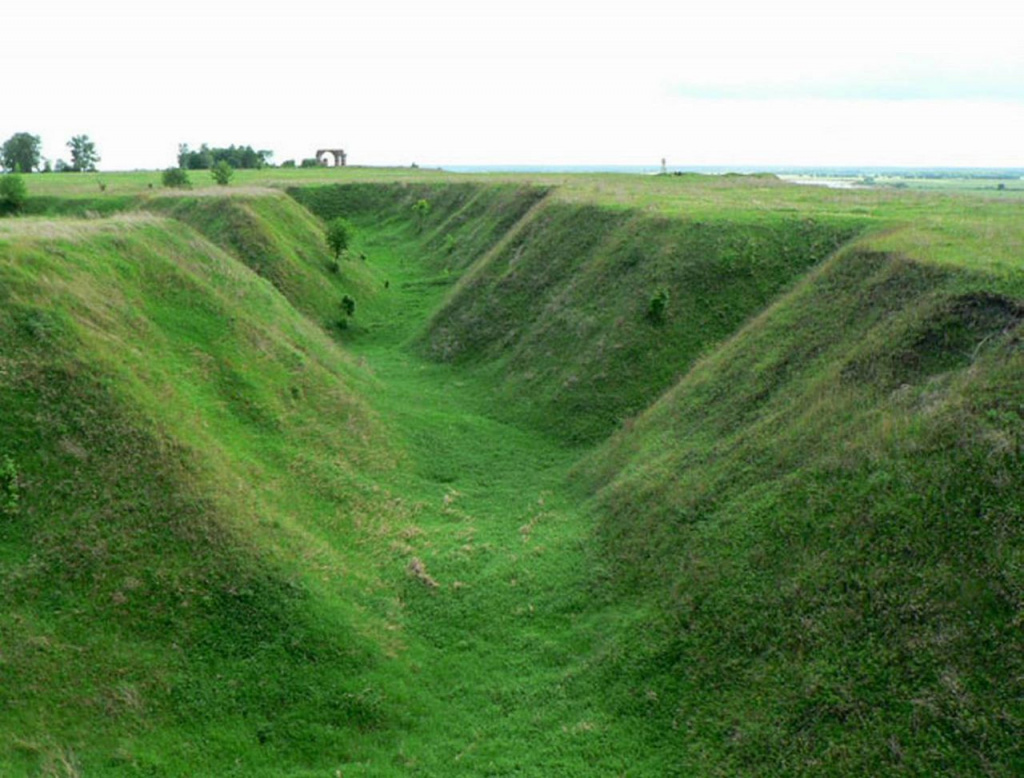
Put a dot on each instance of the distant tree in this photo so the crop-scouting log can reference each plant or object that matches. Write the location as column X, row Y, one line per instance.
column 338, row 235
column 12, row 193
column 421, row 208
column 175, row 177
column 189, row 159
column 63, row 166
column 310, row 162
column 222, row 173
column 288, row 163
column 83, row 154
column 20, row 153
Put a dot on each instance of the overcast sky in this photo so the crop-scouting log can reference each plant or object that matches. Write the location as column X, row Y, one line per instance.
column 554, row 82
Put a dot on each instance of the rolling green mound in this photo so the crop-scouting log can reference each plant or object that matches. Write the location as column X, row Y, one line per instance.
column 461, row 223
column 605, row 476
column 590, row 313
column 175, row 439
column 279, row 241
column 827, row 513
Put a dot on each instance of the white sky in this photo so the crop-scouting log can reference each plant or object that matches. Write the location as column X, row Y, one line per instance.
column 556, row 82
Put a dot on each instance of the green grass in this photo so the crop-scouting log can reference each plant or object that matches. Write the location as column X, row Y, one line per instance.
column 156, row 555
column 825, row 506
column 506, row 522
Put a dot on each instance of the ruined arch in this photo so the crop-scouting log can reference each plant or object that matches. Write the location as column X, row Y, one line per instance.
column 339, row 155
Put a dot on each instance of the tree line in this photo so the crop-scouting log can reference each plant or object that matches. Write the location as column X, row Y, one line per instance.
column 238, row 157
column 22, row 153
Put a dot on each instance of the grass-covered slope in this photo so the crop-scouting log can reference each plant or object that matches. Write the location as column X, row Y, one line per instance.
column 589, row 313
column 458, row 224
column 824, row 518
column 180, row 458
column 557, row 299
column 278, row 240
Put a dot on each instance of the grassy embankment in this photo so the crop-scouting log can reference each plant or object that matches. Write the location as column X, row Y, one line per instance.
column 808, row 549
column 176, row 566
column 827, row 513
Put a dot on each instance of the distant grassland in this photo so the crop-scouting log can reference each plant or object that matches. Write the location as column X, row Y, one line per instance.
column 736, row 197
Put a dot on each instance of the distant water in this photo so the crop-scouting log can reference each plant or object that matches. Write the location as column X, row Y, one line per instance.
column 827, row 182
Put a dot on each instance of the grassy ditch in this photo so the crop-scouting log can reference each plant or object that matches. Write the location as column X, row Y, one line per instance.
column 644, row 477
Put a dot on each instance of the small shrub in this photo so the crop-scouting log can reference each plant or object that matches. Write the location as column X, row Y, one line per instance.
column 175, row 177
column 8, row 486
column 334, row 266
column 338, row 234
column 310, row 162
column 12, row 193
column 421, row 208
column 348, row 310
column 288, row 163
column 450, row 243
column 222, row 172
column 658, row 307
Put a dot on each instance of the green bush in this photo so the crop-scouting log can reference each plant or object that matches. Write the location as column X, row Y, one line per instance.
column 12, row 193
column 348, row 310
column 175, row 177
column 222, row 172
column 338, row 235
column 348, row 306
column 421, row 208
